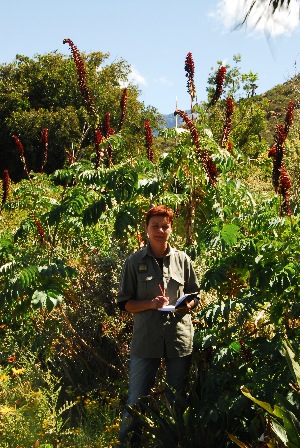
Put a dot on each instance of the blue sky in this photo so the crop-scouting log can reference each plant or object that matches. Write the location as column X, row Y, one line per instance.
column 154, row 37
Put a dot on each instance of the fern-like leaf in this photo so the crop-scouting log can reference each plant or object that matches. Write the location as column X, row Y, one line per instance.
column 57, row 269
column 93, row 213
column 23, row 281
column 122, row 183
column 126, row 220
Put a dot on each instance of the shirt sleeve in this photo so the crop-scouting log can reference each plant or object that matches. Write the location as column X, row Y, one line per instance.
column 127, row 288
column 191, row 283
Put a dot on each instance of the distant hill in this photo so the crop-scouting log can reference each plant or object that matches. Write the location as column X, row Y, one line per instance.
column 279, row 98
column 170, row 120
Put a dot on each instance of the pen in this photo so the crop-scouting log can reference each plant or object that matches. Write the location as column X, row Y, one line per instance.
column 161, row 290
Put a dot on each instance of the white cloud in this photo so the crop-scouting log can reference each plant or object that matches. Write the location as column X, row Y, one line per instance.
column 164, row 81
column 134, row 77
column 231, row 13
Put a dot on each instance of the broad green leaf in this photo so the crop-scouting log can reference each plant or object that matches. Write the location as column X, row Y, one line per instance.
column 290, row 423
column 286, row 404
column 262, row 404
column 294, row 365
column 230, row 234
column 236, row 346
column 279, row 431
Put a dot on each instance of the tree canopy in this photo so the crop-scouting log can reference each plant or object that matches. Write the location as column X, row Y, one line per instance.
column 43, row 92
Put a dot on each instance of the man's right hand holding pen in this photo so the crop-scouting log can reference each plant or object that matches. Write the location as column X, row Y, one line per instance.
column 162, row 300
column 135, row 306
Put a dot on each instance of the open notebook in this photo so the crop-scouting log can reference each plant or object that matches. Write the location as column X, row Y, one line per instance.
column 179, row 302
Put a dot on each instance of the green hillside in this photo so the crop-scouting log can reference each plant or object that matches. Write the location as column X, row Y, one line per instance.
column 279, row 97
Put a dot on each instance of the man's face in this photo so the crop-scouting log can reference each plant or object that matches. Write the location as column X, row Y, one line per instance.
column 159, row 229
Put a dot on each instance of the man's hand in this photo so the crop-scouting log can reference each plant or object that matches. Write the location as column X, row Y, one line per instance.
column 186, row 306
column 136, row 306
column 159, row 302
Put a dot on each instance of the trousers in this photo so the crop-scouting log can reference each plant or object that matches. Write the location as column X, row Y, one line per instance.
column 141, row 379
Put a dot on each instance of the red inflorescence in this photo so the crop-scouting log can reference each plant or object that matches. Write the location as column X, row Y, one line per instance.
column 98, row 137
column 227, row 126
column 19, row 145
column 81, row 73
column 21, row 152
column 276, row 152
column 272, row 152
column 5, row 186
column 45, row 137
column 190, row 72
column 209, row 164
column 149, row 141
column 281, row 180
column 70, row 157
column 284, row 186
column 219, row 81
column 39, row 229
column 229, row 146
column 280, row 135
column 107, row 129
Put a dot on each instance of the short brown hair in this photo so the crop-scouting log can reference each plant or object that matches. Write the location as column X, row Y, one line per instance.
column 160, row 210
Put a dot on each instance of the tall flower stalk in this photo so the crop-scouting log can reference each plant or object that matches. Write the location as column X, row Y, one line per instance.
column 219, row 81
column 190, row 73
column 284, row 186
column 70, row 157
column 107, row 129
column 227, row 125
column 204, row 157
column 81, row 74
column 21, row 153
column 40, row 229
column 5, row 187
column 276, row 152
column 280, row 177
column 149, row 141
column 289, row 118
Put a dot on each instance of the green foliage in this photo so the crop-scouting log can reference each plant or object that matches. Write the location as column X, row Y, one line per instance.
column 235, row 81
column 30, row 410
column 285, row 416
column 38, row 285
column 64, row 238
column 43, row 93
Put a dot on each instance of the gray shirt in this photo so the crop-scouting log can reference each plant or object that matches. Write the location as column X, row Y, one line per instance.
column 158, row 334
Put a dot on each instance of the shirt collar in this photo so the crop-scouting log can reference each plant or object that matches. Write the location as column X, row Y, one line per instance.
column 147, row 251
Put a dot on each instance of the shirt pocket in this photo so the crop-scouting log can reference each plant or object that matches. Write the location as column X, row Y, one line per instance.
column 146, row 287
column 175, row 287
